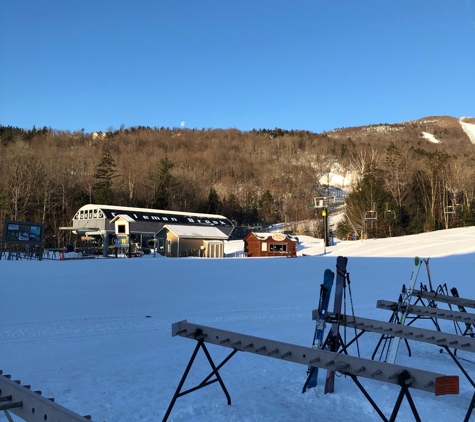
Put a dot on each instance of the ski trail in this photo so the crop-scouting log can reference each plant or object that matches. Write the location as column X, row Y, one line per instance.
column 469, row 129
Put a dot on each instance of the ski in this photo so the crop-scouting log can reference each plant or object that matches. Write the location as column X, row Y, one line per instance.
column 426, row 261
column 325, row 292
column 468, row 326
column 333, row 339
column 406, row 300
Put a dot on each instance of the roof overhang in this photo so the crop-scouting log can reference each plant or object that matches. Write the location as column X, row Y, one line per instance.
column 89, row 229
column 195, row 232
column 124, row 217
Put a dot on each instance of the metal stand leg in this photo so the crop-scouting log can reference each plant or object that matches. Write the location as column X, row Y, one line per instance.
column 369, row 398
column 205, row 382
column 470, row 409
column 404, row 392
column 7, row 414
column 454, row 358
column 412, row 405
column 404, row 381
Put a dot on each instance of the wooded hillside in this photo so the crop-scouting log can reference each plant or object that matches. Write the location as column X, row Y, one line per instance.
column 250, row 177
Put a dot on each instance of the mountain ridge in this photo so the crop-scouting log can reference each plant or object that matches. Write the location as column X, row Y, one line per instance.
column 441, row 128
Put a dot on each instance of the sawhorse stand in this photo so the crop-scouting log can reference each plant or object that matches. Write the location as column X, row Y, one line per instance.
column 351, row 366
column 207, row 381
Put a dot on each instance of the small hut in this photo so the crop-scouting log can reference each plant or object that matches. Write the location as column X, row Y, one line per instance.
column 180, row 241
column 270, row 244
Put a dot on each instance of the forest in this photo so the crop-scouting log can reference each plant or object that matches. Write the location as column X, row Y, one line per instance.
column 256, row 177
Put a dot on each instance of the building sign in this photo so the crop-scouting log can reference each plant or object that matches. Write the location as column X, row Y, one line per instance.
column 279, row 237
column 24, row 238
column 168, row 218
column 122, row 241
column 21, row 232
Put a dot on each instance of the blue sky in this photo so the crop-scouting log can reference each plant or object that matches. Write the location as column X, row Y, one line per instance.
column 301, row 64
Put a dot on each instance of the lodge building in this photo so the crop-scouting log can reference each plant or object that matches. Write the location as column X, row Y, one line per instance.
column 97, row 224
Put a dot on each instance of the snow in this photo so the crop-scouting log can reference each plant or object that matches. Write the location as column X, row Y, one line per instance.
column 336, row 180
column 430, row 137
column 469, row 129
column 96, row 334
column 196, row 231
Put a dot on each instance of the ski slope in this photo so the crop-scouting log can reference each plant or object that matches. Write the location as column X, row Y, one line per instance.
column 469, row 129
column 96, row 334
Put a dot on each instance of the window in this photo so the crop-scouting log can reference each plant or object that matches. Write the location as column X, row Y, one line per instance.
column 121, row 228
column 278, row 248
column 264, row 247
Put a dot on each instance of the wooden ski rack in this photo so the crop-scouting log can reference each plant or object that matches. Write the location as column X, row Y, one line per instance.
column 452, row 300
column 351, row 366
column 31, row 406
column 430, row 312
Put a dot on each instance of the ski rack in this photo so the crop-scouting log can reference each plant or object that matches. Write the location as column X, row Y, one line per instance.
column 30, row 405
column 351, row 366
column 430, row 312
column 433, row 313
column 439, row 338
column 452, row 300
column 421, row 312
column 424, row 335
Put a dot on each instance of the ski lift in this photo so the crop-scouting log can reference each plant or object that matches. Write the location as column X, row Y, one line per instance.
column 389, row 214
column 372, row 214
column 449, row 209
column 319, row 202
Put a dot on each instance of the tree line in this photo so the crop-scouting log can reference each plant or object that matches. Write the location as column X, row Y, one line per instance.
column 255, row 177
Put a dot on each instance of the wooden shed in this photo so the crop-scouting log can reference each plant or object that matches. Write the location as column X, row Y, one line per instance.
column 181, row 241
column 270, row 244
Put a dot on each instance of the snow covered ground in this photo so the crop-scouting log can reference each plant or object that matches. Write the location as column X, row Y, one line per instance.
column 469, row 129
column 430, row 137
column 96, row 334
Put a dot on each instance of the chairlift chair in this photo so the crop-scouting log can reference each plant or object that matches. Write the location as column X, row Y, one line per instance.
column 319, row 202
column 371, row 215
column 389, row 214
column 449, row 209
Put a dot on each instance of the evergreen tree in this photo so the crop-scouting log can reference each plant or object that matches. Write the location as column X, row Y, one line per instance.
column 232, row 209
column 250, row 210
column 163, row 182
column 105, row 174
column 267, row 208
column 214, row 204
column 368, row 195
